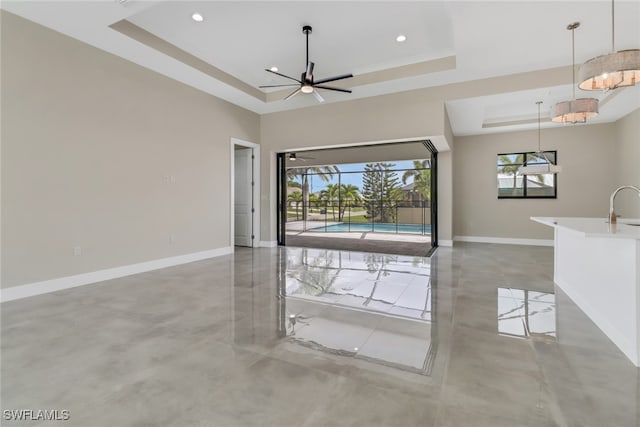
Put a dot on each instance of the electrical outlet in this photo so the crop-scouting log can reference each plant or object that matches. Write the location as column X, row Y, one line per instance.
column 171, row 239
column 77, row 250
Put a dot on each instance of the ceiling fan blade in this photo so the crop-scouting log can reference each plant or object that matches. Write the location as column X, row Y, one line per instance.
column 333, row 79
column 309, row 74
column 292, row 84
column 333, row 88
column 282, row 75
column 318, row 96
column 292, row 94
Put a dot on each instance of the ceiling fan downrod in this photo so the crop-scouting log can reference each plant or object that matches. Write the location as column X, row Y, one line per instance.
column 306, row 30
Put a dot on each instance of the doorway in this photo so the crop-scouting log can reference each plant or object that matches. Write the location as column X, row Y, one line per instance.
column 374, row 198
column 245, row 209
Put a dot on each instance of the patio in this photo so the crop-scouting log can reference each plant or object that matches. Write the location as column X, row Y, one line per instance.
column 387, row 243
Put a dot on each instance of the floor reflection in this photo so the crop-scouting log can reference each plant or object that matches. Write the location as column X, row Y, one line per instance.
column 524, row 313
column 367, row 306
column 439, row 329
column 288, row 337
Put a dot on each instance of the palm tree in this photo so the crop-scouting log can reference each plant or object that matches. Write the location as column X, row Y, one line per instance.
column 341, row 196
column 422, row 184
column 331, row 195
column 509, row 165
column 293, row 184
column 295, row 197
column 325, row 173
column 350, row 194
column 313, row 200
column 421, row 174
column 413, row 173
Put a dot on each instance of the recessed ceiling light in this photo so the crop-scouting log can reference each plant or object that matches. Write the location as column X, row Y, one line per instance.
column 197, row 17
column 401, row 38
column 274, row 69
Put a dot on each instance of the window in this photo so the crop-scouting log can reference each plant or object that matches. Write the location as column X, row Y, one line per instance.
column 512, row 185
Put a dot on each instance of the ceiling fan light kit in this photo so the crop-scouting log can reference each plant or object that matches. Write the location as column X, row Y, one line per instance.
column 293, row 157
column 306, row 84
column 613, row 70
column 576, row 110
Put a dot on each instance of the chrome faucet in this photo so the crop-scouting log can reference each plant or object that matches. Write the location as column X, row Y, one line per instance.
column 612, row 215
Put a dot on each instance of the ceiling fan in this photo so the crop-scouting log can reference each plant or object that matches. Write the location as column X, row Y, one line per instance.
column 306, row 83
column 294, row 157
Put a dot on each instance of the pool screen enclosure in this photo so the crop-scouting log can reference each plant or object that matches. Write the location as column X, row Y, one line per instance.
column 390, row 197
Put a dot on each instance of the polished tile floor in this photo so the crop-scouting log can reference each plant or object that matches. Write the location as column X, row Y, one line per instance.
column 475, row 336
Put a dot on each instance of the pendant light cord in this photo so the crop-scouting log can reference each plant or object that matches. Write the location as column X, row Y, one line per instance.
column 573, row 60
column 539, row 149
column 573, row 27
column 613, row 28
column 540, row 152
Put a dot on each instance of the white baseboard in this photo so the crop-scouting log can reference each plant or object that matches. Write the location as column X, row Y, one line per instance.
column 268, row 243
column 46, row 286
column 503, row 240
column 445, row 243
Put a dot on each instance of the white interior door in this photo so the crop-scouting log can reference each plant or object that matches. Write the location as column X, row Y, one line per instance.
column 243, row 197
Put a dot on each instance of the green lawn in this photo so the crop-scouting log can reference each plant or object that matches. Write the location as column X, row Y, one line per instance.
column 291, row 216
column 360, row 218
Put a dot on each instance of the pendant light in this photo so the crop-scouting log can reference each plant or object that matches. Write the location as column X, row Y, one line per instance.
column 611, row 71
column 576, row 110
column 542, row 168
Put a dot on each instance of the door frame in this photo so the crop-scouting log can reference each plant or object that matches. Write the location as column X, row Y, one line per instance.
column 256, row 190
column 281, row 186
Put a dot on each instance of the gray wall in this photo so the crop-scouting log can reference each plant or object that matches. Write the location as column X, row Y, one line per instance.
column 588, row 155
column 89, row 145
column 411, row 114
column 628, row 163
column 383, row 118
column 446, row 175
column 130, row 166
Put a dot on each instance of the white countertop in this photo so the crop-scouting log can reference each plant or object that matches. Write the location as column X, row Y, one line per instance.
column 595, row 227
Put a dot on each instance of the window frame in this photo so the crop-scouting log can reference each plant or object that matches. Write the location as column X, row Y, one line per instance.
column 524, row 194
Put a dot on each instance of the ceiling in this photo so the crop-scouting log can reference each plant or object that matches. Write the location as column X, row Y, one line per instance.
column 448, row 42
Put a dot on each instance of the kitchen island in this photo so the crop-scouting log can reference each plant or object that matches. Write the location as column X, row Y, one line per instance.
column 599, row 268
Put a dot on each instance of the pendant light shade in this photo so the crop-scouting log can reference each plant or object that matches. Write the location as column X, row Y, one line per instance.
column 576, row 110
column 611, row 71
column 539, row 168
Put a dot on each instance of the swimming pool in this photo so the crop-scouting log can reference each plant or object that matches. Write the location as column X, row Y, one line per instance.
column 382, row 227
